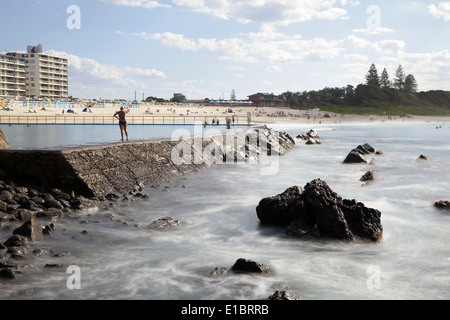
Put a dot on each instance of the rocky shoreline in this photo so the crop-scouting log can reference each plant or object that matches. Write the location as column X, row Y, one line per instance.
column 29, row 214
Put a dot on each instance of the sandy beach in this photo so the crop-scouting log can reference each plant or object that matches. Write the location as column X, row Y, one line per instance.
column 189, row 114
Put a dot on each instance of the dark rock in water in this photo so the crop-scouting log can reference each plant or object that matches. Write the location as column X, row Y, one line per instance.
column 50, row 213
column 324, row 209
column 51, row 202
column 48, row 228
column 311, row 137
column 313, row 141
column 368, row 176
column 301, row 229
column 17, row 241
column 218, row 272
column 164, row 224
column 246, row 265
column 31, row 230
column 283, row 295
column 281, row 209
column 4, row 264
column 22, row 214
column 354, row 157
column 83, row 203
column 7, row 274
column 422, row 157
column 56, row 265
column 317, row 211
column 445, row 204
column 365, row 149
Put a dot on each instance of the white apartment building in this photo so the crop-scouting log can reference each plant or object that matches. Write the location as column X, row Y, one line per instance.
column 12, row 76
column 46, row 76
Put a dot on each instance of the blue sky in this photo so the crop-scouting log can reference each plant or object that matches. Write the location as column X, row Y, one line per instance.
column 207, row 48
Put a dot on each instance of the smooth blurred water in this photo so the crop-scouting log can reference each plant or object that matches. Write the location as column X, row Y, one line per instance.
column 49, row 136
column 120, row 258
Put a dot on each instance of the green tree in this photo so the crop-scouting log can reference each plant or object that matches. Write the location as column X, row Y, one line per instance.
column 372, row 78
column 384, row 79
column 399, row 81
column 410, row 83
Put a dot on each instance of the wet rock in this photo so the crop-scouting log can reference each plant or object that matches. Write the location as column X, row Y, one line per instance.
column 56, row 265
column 311, row 137
column 316, row 211
column 283, row 295
column 3, row 217
column 31, row 230
column 83, row 203
column 313, row 141
column 246, row 265
column 4, row 264
column 7, row 274
column 354, row 157
column 17, row 241
column 281, row 209
column 7, row 196
column 51, row 202
column 50, row 213
column 357, row 155
column 422, row 157
column 442, row 204
column 218, row 271
column 3, row 206
column 365, row 149
column 23, row 214
column 48, row 229
column 368, row 176
column 164, row 224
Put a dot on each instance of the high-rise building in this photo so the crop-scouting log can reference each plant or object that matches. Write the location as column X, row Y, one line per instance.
column 12, row 76
column 46, row 75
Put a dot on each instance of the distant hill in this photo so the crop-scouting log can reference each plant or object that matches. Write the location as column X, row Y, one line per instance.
column 366, row 99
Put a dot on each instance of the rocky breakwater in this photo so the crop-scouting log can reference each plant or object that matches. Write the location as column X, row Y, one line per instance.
column 118, row 168
column 315, row 211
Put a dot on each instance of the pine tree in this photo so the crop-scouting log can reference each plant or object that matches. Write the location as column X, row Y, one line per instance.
column 399, row 81
column 410, row 83
column 372, row 76
column 384, row 80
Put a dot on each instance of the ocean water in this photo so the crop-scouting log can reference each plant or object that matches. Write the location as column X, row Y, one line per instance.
column 50, row 136
column 118, row 257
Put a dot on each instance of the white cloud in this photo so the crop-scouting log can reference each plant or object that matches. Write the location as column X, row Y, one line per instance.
column 390, row 47
column 87, row 73
column 148, row 4
column 374, row 31
column 356, row 43
column 265, row 46
column 282, row 12
column 441, row 11
column 357, row 57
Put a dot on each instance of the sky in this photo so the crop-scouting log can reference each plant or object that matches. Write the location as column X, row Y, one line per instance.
column 122, row 49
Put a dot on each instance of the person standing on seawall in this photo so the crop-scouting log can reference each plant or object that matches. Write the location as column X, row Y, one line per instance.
column 122, row 121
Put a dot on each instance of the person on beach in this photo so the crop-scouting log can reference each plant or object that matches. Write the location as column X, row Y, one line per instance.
column 122, row 121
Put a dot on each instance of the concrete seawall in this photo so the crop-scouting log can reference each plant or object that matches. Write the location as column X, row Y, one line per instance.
column 118, row 168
